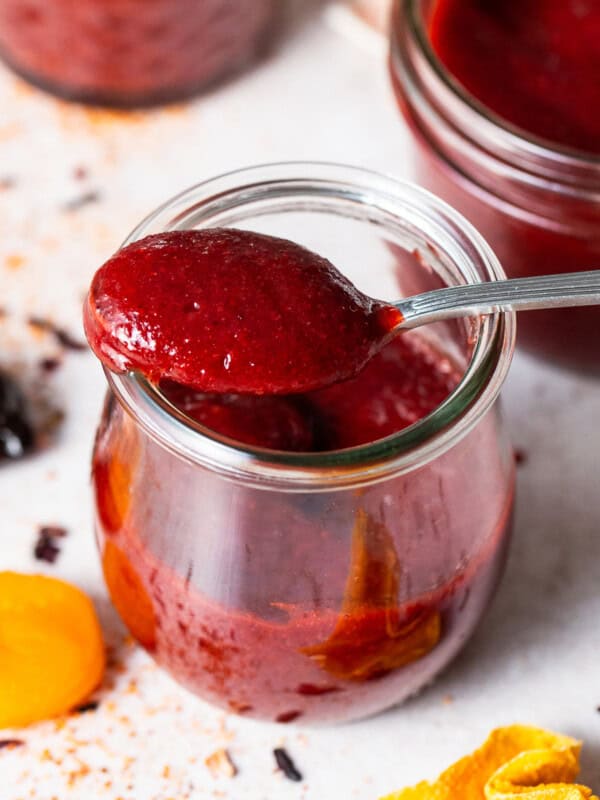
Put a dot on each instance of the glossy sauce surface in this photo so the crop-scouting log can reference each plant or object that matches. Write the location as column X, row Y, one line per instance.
column 400, row 385
column 535, row 63
column 225, row 310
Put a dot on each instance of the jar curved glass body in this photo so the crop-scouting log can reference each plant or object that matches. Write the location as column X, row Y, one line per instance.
column 537, row 205
column 131, row 52
column 327, row 586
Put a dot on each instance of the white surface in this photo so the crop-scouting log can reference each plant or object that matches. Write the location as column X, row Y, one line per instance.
column 536, row 656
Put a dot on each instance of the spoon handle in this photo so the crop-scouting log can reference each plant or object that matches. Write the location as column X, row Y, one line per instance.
column 518, row 294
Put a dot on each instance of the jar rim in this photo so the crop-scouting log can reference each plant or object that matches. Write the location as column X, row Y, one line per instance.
column 541, row 156
column 398, row 453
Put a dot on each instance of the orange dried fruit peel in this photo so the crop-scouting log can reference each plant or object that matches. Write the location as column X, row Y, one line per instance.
column 371, row 638
column 51, row 650
column 514, row 762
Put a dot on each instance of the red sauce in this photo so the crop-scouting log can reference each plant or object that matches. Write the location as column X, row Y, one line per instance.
column 399, row 386
column 130, row 52
column 536, row 63
column 533, row 64
column 271, row 421
column 315, row 621
column 402, row 384
column 284, row 656
column 292, row 606
column 225, row 310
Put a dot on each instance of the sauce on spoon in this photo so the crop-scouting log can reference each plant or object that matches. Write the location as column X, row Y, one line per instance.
column 225, row 310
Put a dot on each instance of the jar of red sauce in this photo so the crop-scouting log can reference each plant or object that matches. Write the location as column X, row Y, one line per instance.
column 319, row 586
column 537, row 202
column 132, row 52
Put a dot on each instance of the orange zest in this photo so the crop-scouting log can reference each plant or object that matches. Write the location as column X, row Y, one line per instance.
column 51, row 650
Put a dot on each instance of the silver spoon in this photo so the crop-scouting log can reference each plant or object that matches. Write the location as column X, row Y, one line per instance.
column 517, row 294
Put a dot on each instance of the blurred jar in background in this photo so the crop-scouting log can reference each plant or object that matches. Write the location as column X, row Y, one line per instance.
column 536, row 201
column 133, row 52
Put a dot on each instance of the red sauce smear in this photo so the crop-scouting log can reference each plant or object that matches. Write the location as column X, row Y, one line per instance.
column 400, row 385
column 271, row 421
column 224, row 310
column 535, row 63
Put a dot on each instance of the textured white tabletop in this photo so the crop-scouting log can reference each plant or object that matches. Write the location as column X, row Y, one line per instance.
column 535, row 658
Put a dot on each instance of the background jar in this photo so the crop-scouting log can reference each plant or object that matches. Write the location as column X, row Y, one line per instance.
column 536, row 204
column 132, row 52
column 325, row 586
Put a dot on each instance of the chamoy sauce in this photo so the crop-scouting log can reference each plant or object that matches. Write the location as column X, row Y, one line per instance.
column 284, row 606
column 319, row 624
column 275, row 654
column 534, row 63
column 225, row 310
column 406, row 381
column 310, row 628
column 531, row 70
column 271, row 421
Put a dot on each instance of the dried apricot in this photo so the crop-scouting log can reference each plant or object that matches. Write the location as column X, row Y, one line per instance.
column 51, row 650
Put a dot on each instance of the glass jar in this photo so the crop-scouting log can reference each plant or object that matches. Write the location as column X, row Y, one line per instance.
column 314, row 586
column 132, row 52
column 537, row 205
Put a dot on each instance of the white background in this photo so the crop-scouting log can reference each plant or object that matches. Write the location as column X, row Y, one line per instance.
column 534, row 659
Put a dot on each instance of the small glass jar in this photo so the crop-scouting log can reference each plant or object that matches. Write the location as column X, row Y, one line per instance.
column 537, row 205
column 132, row 52
column 314, row 586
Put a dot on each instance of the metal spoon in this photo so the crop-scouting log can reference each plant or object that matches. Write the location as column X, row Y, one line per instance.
column 517, row 294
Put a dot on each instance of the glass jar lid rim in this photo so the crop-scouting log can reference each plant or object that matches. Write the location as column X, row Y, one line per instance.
column 401, row 452
column 537, row 148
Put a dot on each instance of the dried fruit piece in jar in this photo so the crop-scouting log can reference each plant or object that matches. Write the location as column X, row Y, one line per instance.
column 129, row 595
column 373, row 636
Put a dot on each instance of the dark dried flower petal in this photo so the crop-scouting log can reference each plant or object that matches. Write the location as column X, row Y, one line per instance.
column 286, row 765
column 16, row 432
column 46, row 548
column 288, row 716
column 63, row 337
column 53, row 531
column 11, row 743
column 87, row 707
column 50, row 364
column 85, row 199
